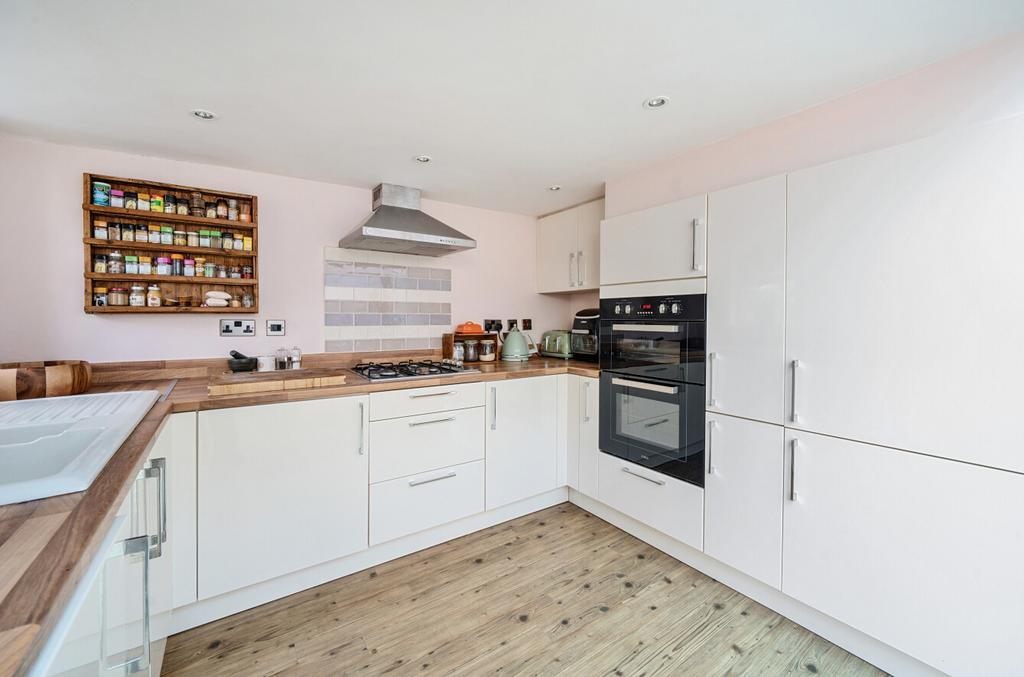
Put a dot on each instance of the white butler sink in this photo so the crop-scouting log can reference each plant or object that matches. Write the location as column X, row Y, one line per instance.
column 57, row 445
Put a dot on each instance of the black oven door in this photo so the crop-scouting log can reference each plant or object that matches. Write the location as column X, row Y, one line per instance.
column 656, row 424
column 665, row 351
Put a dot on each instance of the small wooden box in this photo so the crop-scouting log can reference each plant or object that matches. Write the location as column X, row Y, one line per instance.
column 448, row 341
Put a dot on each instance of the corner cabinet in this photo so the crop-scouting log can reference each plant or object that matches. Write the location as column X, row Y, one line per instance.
column 583, row 434
column 568, row 249
column 281, row 487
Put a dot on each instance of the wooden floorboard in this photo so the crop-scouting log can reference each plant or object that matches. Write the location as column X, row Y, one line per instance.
column 557, row 592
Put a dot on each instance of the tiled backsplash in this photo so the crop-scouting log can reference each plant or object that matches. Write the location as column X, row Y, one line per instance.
column 375, row 301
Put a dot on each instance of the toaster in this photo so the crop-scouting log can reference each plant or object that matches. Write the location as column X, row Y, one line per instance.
column 556, row 343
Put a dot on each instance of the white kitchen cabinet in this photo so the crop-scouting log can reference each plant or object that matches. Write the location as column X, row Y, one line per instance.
column 903, row 296
column 568, row 251
column 671, row 506
column 746, row 302
column 583, row 434
column 413, row 401
column 414, row 444
column 177, row 443
column 919, row 552
column 282, row 487
column 521, row 439
column 743, row 490
column 667, row 242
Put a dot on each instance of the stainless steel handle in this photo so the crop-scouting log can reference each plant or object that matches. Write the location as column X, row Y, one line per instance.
column 792, row 468
column 707, row 447
column 794, row 418
column 158, row 470
column 695, row 223
column 446, row 392
column 654, row 423
column 669, row 328
column 636, row 474
column 712, row 402
column 138, row 545
column 572, row 257
column 494, row 408
column 579, row 268
column 580, row 331
column 416, row 483
column 362, row 427
column 586, row 401
column 439, row 420
column 640, row 385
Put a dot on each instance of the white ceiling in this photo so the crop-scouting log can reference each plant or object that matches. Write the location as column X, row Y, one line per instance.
column 507, row 96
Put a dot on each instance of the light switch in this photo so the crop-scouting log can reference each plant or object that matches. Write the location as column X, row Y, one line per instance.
column 275, row 327
column 237, row 328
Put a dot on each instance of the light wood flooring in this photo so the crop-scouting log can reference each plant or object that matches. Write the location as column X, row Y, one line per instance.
column 557, row 592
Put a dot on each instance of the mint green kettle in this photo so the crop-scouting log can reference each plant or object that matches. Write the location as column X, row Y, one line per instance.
column 517, row 346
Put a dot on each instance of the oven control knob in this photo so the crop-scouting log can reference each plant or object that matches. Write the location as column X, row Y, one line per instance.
column 629, row 309
column 662, row 308
column 675, row 309
column 618, row 309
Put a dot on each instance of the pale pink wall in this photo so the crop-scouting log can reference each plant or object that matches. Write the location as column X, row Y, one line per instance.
column 980, row 85
column 41, row 314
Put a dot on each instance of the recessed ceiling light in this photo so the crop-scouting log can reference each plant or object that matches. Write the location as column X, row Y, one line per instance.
column 554, row 187
column 204, row 114
column 423, row 159
column 656, row 102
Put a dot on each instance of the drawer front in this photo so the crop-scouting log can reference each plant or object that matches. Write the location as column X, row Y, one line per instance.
column 414, row 401
column 416, row 444
column 404, row 506
column 671, row 506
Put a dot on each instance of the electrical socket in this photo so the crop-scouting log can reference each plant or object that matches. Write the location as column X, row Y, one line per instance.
column 527, row 324
column 237, row 327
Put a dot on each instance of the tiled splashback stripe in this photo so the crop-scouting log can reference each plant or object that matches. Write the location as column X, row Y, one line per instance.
column 375, row 301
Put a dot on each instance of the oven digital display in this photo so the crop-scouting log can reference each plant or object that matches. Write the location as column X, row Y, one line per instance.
column 645, row 306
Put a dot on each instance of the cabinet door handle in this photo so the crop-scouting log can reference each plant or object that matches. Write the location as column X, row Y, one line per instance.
column 712, row 402
column 695, row 223
column 138, row 545
column 792, row 468
column 579, row 268
column 649, row 479
column 416, row 397
column 711, row 426
column 416, row 483
column 494, row 408
column 362, row 430
column 158, row 470
column 641, row 385
column 572, row 280
column 439, row 420
column 656, row 423
column 586, row 401
column 793, row 418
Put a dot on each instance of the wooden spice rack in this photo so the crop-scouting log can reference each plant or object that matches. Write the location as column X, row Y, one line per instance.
column 172, row 286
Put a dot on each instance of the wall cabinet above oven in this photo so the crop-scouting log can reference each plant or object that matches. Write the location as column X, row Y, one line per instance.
column 667, row 242
column 568, row 252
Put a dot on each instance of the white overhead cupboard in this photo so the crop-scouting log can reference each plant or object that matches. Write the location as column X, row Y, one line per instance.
column 568, row 252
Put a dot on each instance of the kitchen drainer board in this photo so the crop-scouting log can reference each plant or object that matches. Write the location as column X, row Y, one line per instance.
column 173, row 286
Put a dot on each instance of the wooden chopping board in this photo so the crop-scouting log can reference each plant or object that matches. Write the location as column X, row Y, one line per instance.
column 247, row 383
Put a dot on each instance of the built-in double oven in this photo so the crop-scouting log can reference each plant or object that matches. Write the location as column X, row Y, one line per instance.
column 652, row 383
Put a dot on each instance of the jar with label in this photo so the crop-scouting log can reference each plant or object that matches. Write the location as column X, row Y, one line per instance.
column 244, row 210
column 99, row 263
column 180, row 238
column 177, row 264
column 114, row 231
column 227, row 240
column 154, row 234
column 211, row 210
column 234, row 272
column 192, row 239
column 487, row 350
column 115, row 263
column 117, row 198
column 239, row 242
column 182, row 208
column 210, row 270
column 99, row 296
column 142, row 233
column 163, row 265
column 247, row 243
column 143, row 202
column 232, row 210
column 170, row 204
column 131, row 199
column 101, row 193
column 117, row 296
column 246, row 272
column 471, row 350
column 128, row 232
column 138, row 296
column 99, row 230
column 222, row 270
column 215, row 239
column 156, row 203
column 204, row 238
column 222, row 208
column 200, row 266
column 131, row 265
column 166, row 235
column 145, row 265
column 190, row 268
column 154, row 297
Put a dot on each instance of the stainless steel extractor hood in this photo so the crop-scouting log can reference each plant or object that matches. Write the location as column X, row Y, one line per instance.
column 397, row 225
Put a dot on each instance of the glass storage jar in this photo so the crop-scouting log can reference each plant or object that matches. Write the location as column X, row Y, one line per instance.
column 222, row 208
column 177, row 264
column 117, row 296
column 154, row 234
column 128, row 232
column 145, row 265
column 204, row 238
column 138, row 296
column 180, row 238
column 182, row 208
column 114, row 231
column 210, row 270
column 99, row 296
column 232, row 210
column 131, row 199
column 156, row 203
column 163, row 265
column 227, row 240
column 131, row 265
column 222, row 270
column 200, row 266
column 166, row 235
column 190, row 268
column 192, row 239
column 154, row 297
column 99, row 230
column 170, row 204
column 99, row 263
column 211, row 210
column 215, row 239
column 116, row 198
column 487, row 350
column 115, row 263
column 471, row 350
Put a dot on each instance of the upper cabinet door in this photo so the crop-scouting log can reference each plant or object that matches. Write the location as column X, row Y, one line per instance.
column 557, row 269
column 746, row 330
column 588, row 254
column 904, row 307
column 660, row 243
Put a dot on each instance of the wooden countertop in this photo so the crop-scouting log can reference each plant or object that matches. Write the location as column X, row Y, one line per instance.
column 46, row 545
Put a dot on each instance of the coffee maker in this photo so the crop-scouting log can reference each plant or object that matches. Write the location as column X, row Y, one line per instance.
column 585, row 341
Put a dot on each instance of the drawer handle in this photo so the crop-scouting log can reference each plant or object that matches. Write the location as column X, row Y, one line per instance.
column 416, row 397
column 654, row 423
column 440, row 420
column 416, row 483
column 636, row 474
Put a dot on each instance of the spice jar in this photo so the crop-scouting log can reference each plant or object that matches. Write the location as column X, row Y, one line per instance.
column 211, row 210
column 182, row 208
column 117, row 198
column 131, row 199
column 114, row 231
column 247, row 243
column 99, row 296
column 222, row 208
column 190, row 268
column 117, row 296
column 143, row 202
column 163, row 265
column 156, row 203
column 235, row 302
column 215, row 239
column 222, row 270
column 244, row 212
column 232, row 210
column 99, row 230
column 471, row 350
column 180, row 238
column 227, row 240
column 487, row 350
column 137, row 296
column 166, row 235
column 459, row 351
column 246, row 272
column 210, row 270
column 239, row 242
column 142, row 233
column 247, row 300
column 145, row 265
column 200, row 264
column 170, row 204
column 204, row 238
column 192, row 239
column 154, row 234
column 115, row 263
column 177, row 264
column 99, row 263
column 128, row 232
column 154, row 297
column 131, row 265
column 235, row 273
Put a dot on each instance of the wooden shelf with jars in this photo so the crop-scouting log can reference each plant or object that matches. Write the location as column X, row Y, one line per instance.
column 179, row 242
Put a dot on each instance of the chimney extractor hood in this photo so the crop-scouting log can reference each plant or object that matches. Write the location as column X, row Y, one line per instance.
column 397, row 225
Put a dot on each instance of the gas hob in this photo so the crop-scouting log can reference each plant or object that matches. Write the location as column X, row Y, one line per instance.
column 407, row 371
